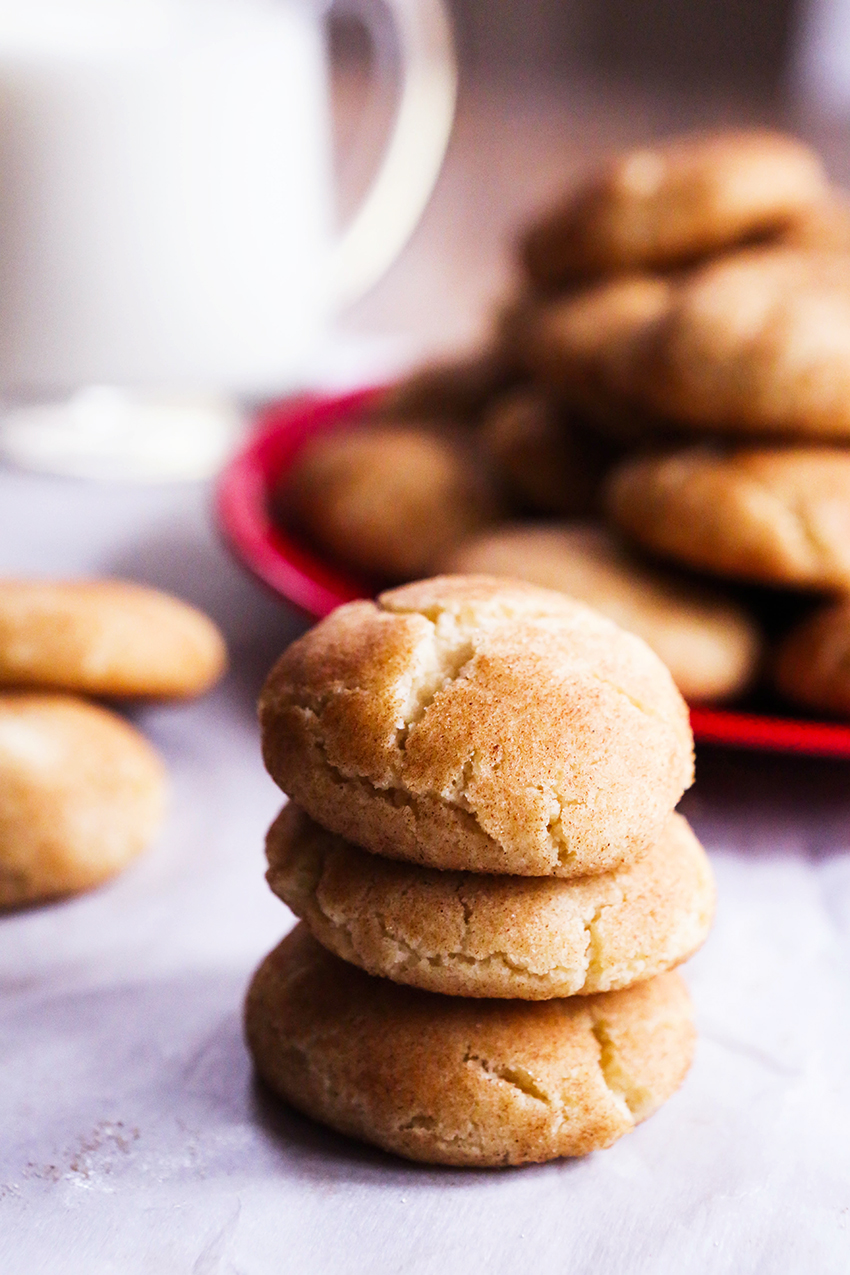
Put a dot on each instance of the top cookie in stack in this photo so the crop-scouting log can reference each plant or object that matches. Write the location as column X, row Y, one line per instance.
column 482, row 725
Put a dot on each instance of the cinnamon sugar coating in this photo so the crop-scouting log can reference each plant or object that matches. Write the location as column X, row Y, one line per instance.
column 444, row 1080
column 478, row 724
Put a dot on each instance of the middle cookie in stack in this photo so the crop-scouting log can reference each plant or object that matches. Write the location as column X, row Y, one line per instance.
column 509, row 761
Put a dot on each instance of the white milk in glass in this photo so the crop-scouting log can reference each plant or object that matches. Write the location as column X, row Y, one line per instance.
column 165, row 193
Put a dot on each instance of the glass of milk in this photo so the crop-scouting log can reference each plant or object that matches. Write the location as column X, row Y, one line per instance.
column 166, row 217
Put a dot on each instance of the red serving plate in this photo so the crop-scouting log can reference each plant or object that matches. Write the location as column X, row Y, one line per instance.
column 316, row 587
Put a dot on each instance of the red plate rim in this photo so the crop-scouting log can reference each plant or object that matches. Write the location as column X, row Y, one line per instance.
column 316, row 588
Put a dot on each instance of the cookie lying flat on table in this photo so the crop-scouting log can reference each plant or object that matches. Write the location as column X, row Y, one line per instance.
column 384, row 499
column 463, row 934
column 757, row 342
column 81, row 794
column 813, row 662
column 444, row 1080
column 549, row 461
column 662, row 205
column 106, row 637
column 767, row 515
column 710, row 645
column 482, row 725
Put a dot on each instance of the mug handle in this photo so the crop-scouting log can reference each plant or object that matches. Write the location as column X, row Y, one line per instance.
column 411, row 164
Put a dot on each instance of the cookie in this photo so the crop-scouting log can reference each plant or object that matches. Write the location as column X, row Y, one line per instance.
column 82, row 795
column 444, row 1080
column 463, row 934
column 385, row 499
column 710, row 645
column 455, row 390
column 824, row 227
column 754, row 343
column 813, row 661
column 549, row 460
column 663, row 205
column 766, row 515
column 105, row 637
column 582, row 347
column 482, row 725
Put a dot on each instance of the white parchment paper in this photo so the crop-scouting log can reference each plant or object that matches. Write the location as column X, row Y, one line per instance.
column 134, row 1139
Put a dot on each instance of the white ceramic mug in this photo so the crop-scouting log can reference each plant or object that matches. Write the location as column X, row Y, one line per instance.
column 166, row 200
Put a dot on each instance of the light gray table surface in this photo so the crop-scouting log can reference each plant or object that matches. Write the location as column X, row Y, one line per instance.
column 134, row 1139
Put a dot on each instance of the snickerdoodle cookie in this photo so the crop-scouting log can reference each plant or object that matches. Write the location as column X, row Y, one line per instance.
column 710, row 645
column 757, row 342
column 468, row 934
column 767, row 515
column 453, row 390
column 823, row 227
column 445, row 1080
column 81, row 794
column 549, row 460
column 482, row 725
column 582, row 347
column 385, row 499
column 105, row 637
column 662, row 205
column 813, row 662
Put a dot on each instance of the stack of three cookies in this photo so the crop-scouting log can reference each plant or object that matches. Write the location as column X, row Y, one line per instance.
column 485, row 774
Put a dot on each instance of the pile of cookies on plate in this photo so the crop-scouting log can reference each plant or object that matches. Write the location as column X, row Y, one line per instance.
column 82, row 792
column 494, row 887
column 660, row 426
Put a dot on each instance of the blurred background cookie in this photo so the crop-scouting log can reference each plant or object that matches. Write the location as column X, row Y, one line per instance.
column 549, row 459
column 581, row 347
column 463, row 934
column 822, row 227
column 767, row 515
column 385, row 499
column 813, row 662
column 709, row 643
column 451, row 1081
column 457, row 391
column 106, row 637
column 757, row 342
column 482, row 725
column 81, row 794
column 667, row 204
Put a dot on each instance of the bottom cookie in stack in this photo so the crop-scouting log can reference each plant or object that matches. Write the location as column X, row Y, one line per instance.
column 448, row 1080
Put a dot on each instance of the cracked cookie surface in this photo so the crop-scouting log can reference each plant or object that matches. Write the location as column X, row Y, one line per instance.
column 767, row 515
column 468, row 934
column 482, row 725
column 445, row 1080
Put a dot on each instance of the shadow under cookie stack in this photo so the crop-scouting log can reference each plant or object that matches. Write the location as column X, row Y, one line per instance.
column 480, row 842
